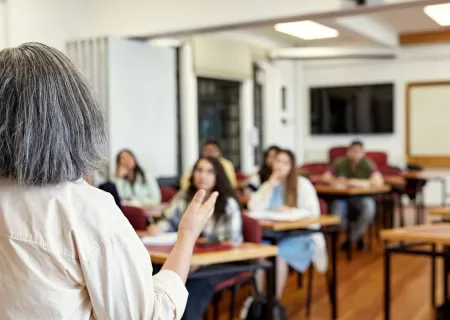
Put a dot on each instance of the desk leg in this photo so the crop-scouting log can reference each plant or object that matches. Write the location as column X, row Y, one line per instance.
column 333, row 286
column 271, row 288
column 433, row 275
column 387, row 284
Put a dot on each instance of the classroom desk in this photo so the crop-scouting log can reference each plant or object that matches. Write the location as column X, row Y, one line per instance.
column 443, row 212
column 329, row 225
column 330, row 193
column 231, row 253
column 435, row 234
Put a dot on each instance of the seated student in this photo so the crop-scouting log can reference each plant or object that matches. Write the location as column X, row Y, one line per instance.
column 266, row 169
column 212, row 149
column 225, row 224
column 287, row 192
column 133, row 185
column 355, row 170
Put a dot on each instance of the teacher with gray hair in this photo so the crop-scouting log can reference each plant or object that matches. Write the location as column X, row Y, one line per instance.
column 66, row 250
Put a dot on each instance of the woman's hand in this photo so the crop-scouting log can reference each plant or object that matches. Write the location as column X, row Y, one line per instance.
column 153, row 230
column 194, row 219
column 122, row 171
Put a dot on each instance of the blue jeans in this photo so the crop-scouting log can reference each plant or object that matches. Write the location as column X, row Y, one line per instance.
column 366, row 208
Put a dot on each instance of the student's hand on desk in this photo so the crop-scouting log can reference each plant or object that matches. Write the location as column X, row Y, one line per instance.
column 283, row 209
column 196, row 216
column 153, row 230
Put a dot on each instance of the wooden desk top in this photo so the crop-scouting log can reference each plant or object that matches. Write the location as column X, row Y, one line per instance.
column 419, row 175
column 331, row 190
column 394, row 180
column 223, row 253
column 324, row 220
column 441, row 211
column 434, row 233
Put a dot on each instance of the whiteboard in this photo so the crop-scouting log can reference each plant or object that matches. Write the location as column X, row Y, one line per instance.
column 429, row 120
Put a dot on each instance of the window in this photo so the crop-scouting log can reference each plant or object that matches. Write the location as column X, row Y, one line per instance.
column 258, row 112
column 219, row 116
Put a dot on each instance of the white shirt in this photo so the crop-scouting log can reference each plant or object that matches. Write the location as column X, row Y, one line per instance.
column 67, row 252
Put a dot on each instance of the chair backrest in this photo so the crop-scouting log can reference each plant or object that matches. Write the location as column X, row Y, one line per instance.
column 380, row 158
column 323, row 206
column 314, row 168
column 136, row 216
column 335, row 153
column 167, row 193
column 251, row 230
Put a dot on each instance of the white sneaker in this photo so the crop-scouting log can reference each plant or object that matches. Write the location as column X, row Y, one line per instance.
column 244, row 310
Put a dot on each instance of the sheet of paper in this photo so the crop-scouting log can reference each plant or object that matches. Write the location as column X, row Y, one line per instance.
column 277, row 216
column 162, row 240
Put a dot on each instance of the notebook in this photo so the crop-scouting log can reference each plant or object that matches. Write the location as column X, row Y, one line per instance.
column 277, row 216
column 164, row 239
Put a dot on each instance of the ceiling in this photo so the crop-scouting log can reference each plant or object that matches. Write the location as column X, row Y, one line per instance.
column 409, row 20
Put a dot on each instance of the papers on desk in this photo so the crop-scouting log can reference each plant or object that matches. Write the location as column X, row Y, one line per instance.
column 278, row 216
column 165, row 239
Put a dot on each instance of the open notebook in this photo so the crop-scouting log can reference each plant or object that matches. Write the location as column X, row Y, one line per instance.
column 278, row 216
column 164, row 239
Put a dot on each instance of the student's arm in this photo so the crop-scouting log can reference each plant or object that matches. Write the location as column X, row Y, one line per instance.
column 308, row 205
column 259, row 200
column 234, row 218
column 375, row 179
column 172, row 215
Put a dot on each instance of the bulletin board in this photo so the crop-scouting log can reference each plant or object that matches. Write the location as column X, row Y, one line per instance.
column 428, row 124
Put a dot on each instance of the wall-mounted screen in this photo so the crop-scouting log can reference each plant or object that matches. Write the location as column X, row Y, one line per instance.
column 364, row 109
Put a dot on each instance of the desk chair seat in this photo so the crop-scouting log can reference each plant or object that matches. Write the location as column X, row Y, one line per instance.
column 167, row 193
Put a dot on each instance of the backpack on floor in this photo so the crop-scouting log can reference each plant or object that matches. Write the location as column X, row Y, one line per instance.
column 257, row 309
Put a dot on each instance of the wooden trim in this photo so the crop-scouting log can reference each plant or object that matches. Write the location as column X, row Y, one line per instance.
column 323, row 220
column 434, row 233
column 239, row 252
column 430, row 161
column 425, row 37
column 332, row 190
column 440, row 211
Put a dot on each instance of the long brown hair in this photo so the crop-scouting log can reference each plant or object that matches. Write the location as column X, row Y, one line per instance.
column 290, row 193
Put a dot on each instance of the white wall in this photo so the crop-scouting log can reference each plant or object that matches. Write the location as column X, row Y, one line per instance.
column 425, row 63
column 142, row 104
column 412, row 65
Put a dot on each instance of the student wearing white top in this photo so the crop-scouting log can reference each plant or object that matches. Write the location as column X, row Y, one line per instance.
column 286, row 192
column 66, row 250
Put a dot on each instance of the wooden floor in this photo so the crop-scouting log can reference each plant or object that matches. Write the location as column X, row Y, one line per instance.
column 360, row 289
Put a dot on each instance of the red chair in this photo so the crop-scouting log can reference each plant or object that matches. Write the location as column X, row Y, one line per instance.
column 336, row 152
column 378, row 157
column 323, row 206
column 314, row 170
column 252, row 232
column 167, row 193
column 136, row 216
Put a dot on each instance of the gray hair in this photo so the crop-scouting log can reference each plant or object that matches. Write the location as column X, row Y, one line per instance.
column 51, row 128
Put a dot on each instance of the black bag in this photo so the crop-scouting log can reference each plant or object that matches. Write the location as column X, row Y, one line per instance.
column 258, row 309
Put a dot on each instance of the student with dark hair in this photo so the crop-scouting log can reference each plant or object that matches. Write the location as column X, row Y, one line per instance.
column 225, row 224
column 67, row 252
column 355, row 170
column 268, row 158
column 134, row 186
column 212, row 149
column 286, row 192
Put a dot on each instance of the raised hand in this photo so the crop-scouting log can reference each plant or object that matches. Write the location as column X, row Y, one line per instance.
column 194, row 219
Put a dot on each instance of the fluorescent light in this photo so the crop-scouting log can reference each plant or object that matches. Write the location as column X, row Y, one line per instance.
column 440, row 13
column 307, row 30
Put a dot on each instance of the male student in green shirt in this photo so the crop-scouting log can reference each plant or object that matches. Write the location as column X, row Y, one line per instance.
column 355, row 170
